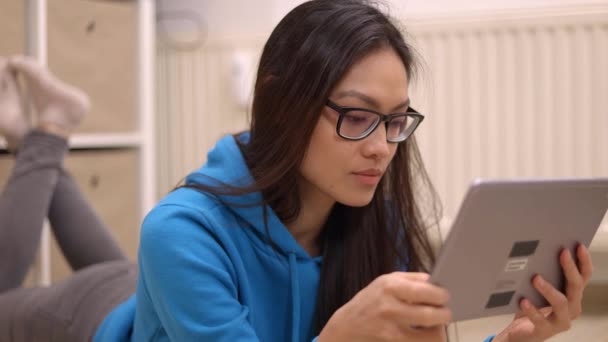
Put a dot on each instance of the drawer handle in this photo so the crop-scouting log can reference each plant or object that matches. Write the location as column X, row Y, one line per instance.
column 94, row 181
column 91, row 26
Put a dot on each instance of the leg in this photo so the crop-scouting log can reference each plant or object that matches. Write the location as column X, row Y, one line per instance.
column 24, row 204
column 70, row 311
column 61, row 108
column 80, row 233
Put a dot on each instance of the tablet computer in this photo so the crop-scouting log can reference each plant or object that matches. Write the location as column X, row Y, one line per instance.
column 506, row 232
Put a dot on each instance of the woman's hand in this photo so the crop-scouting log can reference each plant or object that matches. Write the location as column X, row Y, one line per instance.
column 532, row 324
column 400, row 306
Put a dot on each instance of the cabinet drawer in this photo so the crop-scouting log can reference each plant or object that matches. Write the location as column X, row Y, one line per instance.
column 92, row 44
column 12, row 28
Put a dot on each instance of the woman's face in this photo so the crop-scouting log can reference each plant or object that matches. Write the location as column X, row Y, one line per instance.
column 338, row 170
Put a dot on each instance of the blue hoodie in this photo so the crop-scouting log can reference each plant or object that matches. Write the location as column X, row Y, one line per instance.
column 208, row 273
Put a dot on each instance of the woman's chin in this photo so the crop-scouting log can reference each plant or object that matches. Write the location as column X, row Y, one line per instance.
column 357, row 200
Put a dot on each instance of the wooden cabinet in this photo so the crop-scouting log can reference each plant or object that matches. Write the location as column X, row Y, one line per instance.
column 12, row 33
column 92, row 45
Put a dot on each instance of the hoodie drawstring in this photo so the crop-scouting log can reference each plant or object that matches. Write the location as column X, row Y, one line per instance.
column 295, row 298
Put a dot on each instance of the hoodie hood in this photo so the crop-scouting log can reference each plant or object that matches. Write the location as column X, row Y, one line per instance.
column 226, row 165
column 208, row 272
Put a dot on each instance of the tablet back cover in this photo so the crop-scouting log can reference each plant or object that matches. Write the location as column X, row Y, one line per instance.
column 508, row 231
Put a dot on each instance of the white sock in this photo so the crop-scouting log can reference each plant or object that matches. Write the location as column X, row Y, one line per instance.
column 13, row 124
column 57, row 103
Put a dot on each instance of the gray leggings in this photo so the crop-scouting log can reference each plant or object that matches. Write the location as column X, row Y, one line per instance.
column 71, row 310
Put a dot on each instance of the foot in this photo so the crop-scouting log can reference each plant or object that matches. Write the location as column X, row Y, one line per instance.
column 13, row 124
column 60, row 106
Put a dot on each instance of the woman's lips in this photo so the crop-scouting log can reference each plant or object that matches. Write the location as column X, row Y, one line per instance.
column 368, row 177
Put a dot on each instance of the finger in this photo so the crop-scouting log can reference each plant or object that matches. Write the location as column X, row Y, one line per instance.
column 541, row 324
column 546, row 311
column 585, row 265
column 416, row 276
column 417, row 291
column 425, row 316
column 559, row 303
column 436, row 333
column 520, row 314
column 574, row 280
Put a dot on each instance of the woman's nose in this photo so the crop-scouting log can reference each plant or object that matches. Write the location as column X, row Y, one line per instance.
column 376, row 145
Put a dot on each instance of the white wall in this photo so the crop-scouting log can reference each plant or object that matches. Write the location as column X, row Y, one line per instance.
column 430, row 7
column 235, row 18
column 196, row 102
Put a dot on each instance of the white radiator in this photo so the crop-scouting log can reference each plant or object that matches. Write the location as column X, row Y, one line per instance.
column 505, row 95
column 195, row 107
column 523, row 96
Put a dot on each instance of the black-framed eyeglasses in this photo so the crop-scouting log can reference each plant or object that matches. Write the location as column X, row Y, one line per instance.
column 358, row 123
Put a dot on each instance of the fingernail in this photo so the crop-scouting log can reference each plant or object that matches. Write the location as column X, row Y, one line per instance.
column 540, row 281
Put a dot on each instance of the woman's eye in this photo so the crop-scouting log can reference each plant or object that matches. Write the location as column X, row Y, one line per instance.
column 398, row 122
column 354, row 119
column 358, row 118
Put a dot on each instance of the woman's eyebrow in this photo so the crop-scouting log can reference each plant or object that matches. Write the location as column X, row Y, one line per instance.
column 370, row 101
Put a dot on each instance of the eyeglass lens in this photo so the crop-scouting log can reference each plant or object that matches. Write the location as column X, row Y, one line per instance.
column 358, row 124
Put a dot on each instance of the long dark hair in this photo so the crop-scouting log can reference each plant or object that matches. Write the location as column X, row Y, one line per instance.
column 306, row 55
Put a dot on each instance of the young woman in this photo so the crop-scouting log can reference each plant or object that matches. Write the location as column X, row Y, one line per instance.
column 308, row 226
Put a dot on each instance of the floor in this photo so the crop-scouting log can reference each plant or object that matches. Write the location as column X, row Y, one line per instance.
column 591, row 327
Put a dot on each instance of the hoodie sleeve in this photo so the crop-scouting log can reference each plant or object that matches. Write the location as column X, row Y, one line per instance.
column 189, row 278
